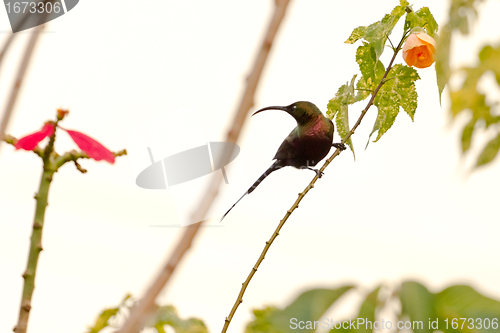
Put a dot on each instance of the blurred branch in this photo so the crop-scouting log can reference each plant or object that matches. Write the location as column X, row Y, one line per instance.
column 146, row 305
column 19, row 79
column 295, row 205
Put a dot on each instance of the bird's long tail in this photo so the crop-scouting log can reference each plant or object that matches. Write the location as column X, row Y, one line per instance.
column 275, row 166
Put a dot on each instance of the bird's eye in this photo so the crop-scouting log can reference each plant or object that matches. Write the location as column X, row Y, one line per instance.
column 295, row 106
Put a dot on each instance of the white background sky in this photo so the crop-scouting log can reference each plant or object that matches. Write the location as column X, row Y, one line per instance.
column 405, row 209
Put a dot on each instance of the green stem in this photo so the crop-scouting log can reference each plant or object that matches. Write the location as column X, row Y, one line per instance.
column 295, row 205
column 35, row 249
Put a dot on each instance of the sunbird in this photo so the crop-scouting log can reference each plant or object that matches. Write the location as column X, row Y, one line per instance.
column 307, row 144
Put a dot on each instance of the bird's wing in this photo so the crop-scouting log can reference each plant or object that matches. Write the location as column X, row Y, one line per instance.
column 290, row 147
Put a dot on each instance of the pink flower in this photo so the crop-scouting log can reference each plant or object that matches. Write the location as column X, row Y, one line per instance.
column 91, row 147
column 29, row 142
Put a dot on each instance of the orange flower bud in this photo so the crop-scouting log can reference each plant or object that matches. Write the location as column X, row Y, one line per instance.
column 419, row 50
column 61, row 113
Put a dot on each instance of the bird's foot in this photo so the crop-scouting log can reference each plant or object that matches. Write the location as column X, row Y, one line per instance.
column 340, row 146
column 318, row 172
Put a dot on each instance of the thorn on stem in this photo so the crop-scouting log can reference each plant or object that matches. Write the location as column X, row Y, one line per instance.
column 79, row 167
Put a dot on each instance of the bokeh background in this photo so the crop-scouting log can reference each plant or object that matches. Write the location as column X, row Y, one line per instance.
column 408, row 207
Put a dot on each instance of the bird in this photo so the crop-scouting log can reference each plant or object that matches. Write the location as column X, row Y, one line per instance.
column 306, row 145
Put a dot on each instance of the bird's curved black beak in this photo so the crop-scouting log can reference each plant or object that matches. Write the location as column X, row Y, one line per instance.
column 282, row 108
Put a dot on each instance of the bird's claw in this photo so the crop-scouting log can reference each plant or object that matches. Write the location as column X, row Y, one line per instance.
column 319, row 173
column 340, row 146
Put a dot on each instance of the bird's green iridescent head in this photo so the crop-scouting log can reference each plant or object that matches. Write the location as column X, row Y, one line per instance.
column 302, row 111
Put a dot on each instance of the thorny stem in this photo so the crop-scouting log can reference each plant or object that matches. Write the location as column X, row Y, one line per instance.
column 51, row 164
column 146, row 305
column 35, row 248
column 295, row 205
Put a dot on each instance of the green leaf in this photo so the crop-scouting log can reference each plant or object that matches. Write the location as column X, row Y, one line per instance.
column 368, row 309
column 429, row 23
column 398, row 91
column 462, row 13
column 103, row 320
column 443, row 70
column 454, row 302
column 338, row 107
column 468, row 99
column 167, row 315
column 422, row 19
column 467, row 135
column 367, row 313
column 262, row 321
column 372, row 71
column 388, row 110
column 489, row 152
column 356, row 35
column 462, row 301
column 413, row 20
column 376, row 34
column 418, row 304
column 308, row 307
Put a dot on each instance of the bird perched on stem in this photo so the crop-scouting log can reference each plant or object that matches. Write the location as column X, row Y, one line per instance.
column 305, row 146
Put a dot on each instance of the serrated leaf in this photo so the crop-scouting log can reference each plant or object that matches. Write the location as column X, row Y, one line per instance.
column 366, row 58
column 342, row 122
column 489, row 152
column 413, row 20
column 356, row 35
column 343, row 96
column 376, row 126
column 376, row 33
column 372, row 71
column 338, row 107
column 389, row 110
column 364, row 90
column 398, row 91
column 429, row 23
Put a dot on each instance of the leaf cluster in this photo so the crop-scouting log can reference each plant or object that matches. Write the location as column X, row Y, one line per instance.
column 394, row 87
column 164, row 316
column 467, row 98
column 417, row 304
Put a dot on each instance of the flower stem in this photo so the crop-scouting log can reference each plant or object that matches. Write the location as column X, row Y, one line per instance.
column 35, row 249
column 295, row 205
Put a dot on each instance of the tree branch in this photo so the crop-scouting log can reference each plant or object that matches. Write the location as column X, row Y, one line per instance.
column 146, row 305
column 295, row 205
column 19, row 79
